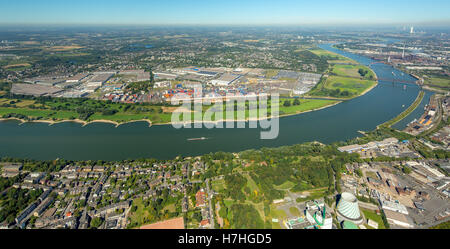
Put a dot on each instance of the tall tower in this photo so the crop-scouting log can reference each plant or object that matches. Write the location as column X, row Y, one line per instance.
column 348, row 209
column 411, row 30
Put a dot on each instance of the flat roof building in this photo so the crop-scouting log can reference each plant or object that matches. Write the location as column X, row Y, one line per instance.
column 398, row 219
column 99, row 78
column 77, row 78
column 225, row 80
column 35, row 90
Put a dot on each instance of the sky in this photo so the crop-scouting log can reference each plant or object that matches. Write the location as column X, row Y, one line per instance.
column 223, row 12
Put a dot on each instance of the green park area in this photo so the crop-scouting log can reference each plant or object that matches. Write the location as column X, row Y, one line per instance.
column 313, row 194
column 60, row 109
column 149, row 211
column 286, row 185
column 268, row 177
column 294, row 211
column 438, row 82
column 356, row 71
column 369, row 214
column 218, row 185
column 444, row 225
column 343, row 80
column 305, row 105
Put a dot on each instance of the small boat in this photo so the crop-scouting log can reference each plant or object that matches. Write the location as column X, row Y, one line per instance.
column 403, row 106
column 196, row 139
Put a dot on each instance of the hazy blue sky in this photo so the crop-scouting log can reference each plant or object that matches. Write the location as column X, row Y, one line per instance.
column 224, row 11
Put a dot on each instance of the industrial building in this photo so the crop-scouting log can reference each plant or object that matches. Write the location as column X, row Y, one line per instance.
column 50, row 81
column 393, row 206
column 371, row 145
column 397, row 219
column 35, row 90
column 99, row 79
column 77, row 78
column 298, row 223
column 225, row 80
column 319, row 217
column 140, row 75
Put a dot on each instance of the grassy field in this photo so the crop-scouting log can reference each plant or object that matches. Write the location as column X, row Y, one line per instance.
column 352, row 87
column 352, row 71
column 39, row 114
column 228, row 204
column 170, row 208
column 369, row 214
column 344, row 80
column 50, row 111
column 285, row 186
column 62, row 48
column 271, row 73
column 438, row 82
column 218, row 185
column 332, row 57
column 306, row 105
column 277, row 213
column 294, row 211
column 313, row 194
column 251, row 184
column 140, row 215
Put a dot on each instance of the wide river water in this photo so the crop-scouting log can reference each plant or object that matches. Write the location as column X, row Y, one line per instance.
column 101, row 141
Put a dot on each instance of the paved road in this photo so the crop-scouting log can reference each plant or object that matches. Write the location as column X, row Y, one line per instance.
column 211, row 213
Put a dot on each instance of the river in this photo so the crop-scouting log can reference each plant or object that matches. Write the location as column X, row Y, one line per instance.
column 101, row 141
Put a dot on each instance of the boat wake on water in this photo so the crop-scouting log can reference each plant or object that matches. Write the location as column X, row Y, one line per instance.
column 197, row 139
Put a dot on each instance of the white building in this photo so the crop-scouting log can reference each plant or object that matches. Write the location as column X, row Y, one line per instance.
column 397, row 219
column 394, row 206
column 77, row 78
column 224, row 80
column 100, row 78
column 319, row 218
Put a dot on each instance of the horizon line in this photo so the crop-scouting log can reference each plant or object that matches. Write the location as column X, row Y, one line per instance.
column 330, row 24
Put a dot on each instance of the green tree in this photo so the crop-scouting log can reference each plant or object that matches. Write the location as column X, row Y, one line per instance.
column 96, row 222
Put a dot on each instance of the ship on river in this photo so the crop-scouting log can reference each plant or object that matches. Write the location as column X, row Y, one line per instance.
column 196, row 139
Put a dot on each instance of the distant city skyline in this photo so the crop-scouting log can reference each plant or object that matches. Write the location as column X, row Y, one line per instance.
column 231, row 12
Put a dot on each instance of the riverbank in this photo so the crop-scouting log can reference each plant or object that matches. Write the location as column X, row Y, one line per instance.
column 117, row 124
column 82, row 122
column 404, row 114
